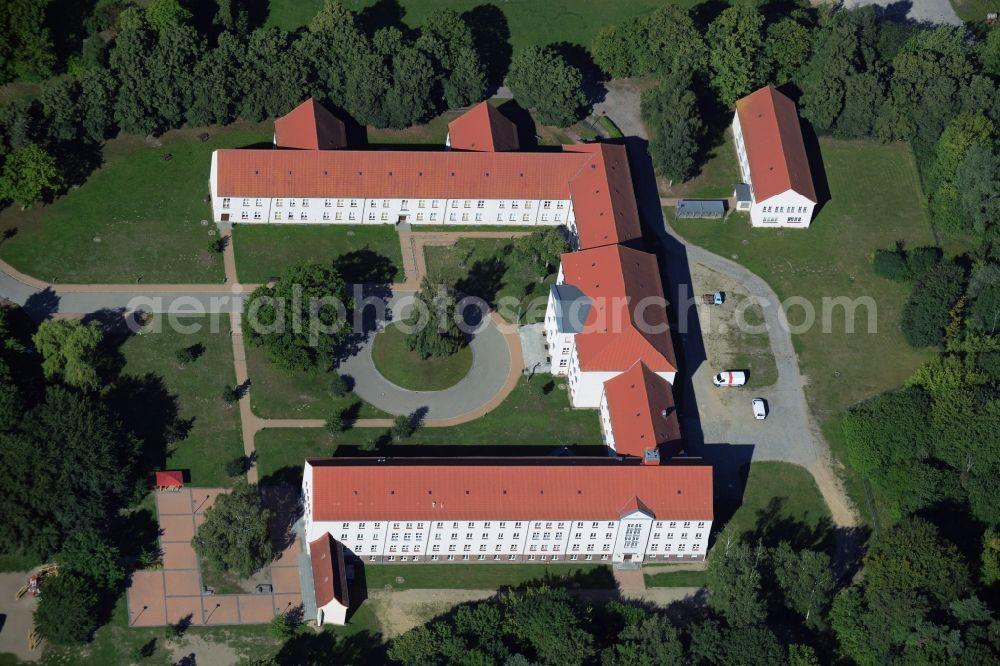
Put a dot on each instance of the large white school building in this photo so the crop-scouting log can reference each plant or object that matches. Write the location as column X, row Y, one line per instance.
column 604, row 509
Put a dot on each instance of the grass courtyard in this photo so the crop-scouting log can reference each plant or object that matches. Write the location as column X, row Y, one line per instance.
column 137, row 219
column 875, row 201
column 535, row 417
column 487, row 576
column 364, row 253
column 405, row 368
column 483, row 267
column 299, row 394
column 214, row 437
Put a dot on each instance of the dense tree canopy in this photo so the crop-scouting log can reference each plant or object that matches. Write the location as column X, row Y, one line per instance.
column 542, row 80
column 303, row 320
column 434, row 322
column 70, row 351
column 29, row 175
column 737, row 56
column 234, row 536
column 671, row 112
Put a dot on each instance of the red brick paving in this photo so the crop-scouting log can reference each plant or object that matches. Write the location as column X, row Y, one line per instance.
column 173, row 594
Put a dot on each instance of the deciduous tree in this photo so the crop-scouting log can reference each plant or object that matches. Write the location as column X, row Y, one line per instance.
column 435, row 321
column 234, row 536
column 542, row 80
column 70, row 351
column 737, row 57
column 671, row 112
column 29, row 175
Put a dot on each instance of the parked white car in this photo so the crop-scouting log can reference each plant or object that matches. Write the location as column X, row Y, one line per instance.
column 759, row 409
column 730, row 378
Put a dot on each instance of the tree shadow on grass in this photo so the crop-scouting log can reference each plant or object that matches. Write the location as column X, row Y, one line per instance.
column 326, row 648
column 772, row 526
column 484, row 280
column 366, row 266
column 491, row 36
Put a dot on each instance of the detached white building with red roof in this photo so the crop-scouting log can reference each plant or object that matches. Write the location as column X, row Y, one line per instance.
column 386, row 510
column 773, row 161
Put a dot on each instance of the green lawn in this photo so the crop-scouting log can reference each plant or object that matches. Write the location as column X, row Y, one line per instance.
column 368, row 253
column 715, row 179
column 486, row 575
column 298, row 395
column 875, row 201
column 214, row 438
column 136, row 219
column 975, row 10
column 677, row 579
column 483, row 267
column 780, row 501
column 534, row 416
column 529, row 23
column 394, row 361
column 751, row 352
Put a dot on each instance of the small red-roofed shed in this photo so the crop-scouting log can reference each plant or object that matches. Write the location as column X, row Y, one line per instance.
column 169, row 480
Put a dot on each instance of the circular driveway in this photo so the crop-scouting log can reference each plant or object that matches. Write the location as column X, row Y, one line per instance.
column 491, row 365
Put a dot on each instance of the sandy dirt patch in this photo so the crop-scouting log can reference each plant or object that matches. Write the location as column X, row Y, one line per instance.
column 401, row 611
column 202, row 651
column 16, row 617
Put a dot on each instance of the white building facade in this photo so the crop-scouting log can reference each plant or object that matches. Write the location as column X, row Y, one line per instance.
column 634, row 532
column 773, row 162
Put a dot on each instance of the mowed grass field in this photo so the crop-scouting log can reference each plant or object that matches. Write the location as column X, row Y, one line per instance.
column 280, row 394
column 264, row 251
column 487, row 575
column 875, row 202
column 214, row 437
column 137, row 219
column 394, row 361
column 535, row 417
column 529, row 23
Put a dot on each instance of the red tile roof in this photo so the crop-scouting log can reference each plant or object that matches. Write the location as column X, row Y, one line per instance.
column 310, row 126
column 637, row 399
column 603, row 198
column 170, row 479
column 627, row 321
column 395, row 174
column 326, row 556
column 354, row 489
column 483, row 128
column 775, row 150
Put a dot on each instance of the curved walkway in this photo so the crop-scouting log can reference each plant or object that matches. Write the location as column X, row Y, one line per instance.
column 495, row 359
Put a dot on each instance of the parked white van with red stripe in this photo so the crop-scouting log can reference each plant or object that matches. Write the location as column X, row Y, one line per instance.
column 730, row 378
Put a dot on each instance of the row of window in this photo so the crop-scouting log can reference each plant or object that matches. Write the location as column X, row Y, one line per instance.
column 768, row 220
column 781, row 209
column 404, row 203
column 450, row 558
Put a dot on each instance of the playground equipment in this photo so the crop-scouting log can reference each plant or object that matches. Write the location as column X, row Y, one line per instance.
column 34, row 640
column 35, row 580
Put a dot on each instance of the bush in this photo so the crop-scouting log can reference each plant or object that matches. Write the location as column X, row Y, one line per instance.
column 236, row 466
column 891, row 264
column 928, row 310
column 334, row 423
column 184, row 356
column 230, row 395
column 67, row 610
column 338, row 387
column 403, row 426
column 921, row 260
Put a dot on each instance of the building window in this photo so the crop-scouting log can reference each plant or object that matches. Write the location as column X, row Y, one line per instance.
column 257, row 202
column 351, row 217
column 339, row 216
column 244, row 215
column 327, row 203
column 303, row 216
column 354, row 203
column 225, row 202
column 326, row 215
column 291, row 215
column 434, row 558
column 420, row 203
column 480, row 204
column 256, row 215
